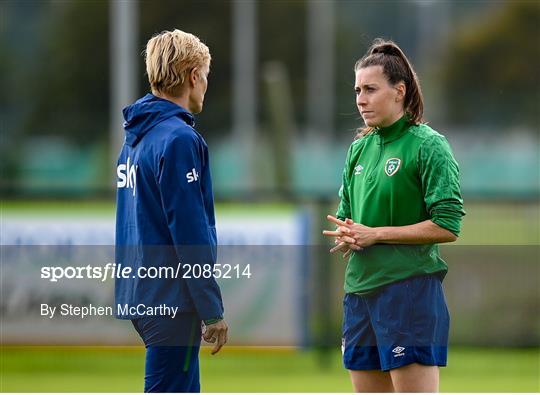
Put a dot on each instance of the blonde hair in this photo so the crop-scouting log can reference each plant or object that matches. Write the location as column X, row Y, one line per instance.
column 170, row 57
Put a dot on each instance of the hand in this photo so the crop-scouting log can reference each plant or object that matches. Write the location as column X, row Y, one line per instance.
column 343, row 236
column 357, row 236
column 342, row 246
column 346, row 242
column 216, row 334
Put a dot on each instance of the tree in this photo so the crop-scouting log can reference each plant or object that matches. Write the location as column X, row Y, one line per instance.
column 491, row 73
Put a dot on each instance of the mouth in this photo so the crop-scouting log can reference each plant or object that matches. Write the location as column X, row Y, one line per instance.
column 366, row 112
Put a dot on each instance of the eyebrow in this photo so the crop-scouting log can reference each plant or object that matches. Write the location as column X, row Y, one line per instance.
column 368, row 85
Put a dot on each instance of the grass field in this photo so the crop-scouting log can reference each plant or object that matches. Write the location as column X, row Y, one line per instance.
column 114, row 369
column 121, row 369
column 486, row 223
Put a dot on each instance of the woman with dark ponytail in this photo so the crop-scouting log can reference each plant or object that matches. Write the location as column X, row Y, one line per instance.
column 400, row 197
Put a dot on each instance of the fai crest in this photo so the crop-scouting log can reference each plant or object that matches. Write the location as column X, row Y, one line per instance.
column 392, row 166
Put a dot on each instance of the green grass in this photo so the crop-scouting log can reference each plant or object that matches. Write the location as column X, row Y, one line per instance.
column 110, row 369
column 494, row 223
column 100, row 208
column 486, row 223
column 114, row 369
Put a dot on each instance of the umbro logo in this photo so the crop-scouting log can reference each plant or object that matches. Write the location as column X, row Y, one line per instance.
column 358, row 169
column 398, row 351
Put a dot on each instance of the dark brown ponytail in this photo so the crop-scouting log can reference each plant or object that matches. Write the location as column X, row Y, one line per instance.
column 396, row 68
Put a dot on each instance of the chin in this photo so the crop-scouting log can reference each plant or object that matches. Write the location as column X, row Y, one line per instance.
column 370, row 123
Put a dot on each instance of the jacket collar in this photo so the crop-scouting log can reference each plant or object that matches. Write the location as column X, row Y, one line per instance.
column 394, row 131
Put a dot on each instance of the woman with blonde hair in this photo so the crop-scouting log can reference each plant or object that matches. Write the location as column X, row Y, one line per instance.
column 165, row 216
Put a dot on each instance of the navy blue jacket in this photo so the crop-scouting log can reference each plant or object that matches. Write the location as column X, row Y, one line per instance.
column 165, row 210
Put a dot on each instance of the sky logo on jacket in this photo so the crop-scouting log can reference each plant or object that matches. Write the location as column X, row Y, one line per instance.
column 127, row 175
column 192, row 176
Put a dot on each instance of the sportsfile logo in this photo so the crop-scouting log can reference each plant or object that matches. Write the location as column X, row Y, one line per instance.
column 127, row 175
column 398, row 351
column 192, row 176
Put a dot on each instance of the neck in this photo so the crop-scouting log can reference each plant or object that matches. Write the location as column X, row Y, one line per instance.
column 393, row 120
column 182, row 101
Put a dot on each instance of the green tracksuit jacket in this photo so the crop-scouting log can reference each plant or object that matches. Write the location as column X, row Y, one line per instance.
column 394, row 176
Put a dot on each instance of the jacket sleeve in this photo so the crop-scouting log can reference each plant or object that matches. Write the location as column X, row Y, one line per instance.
column 344, row 208
column 439, row 175
column 180, row 186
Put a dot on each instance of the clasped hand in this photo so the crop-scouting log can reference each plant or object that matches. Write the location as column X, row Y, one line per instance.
column 350, row 236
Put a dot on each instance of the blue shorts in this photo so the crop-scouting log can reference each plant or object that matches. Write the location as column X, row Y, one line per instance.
column 402, row 323
column 172, row 352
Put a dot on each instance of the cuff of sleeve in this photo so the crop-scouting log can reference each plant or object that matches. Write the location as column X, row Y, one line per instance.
column 449, row 220
column 211, row 321
column 211, row 314
column 342, row 216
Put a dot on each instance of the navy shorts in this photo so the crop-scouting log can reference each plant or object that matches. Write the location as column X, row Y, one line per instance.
column 172, row 352
column 402, row 323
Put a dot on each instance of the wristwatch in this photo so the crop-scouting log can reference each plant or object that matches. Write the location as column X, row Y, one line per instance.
column 211, row 321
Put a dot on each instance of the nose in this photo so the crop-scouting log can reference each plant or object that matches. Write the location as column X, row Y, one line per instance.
column 361, row 99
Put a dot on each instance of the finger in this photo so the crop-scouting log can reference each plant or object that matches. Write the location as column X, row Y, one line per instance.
column 349, row 221
column 208, row 335
column 333, row 233
column 223, row 337
column 216, row 348
column 335, row 220
column 338, row 247
column 343, row 229
column 347, row 254
column 219, row 343
column 355, row 247
column 348, row 239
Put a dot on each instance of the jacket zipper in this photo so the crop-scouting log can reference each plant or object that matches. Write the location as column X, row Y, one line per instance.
column 381, row 149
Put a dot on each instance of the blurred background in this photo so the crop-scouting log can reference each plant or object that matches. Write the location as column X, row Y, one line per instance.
column 279, row 116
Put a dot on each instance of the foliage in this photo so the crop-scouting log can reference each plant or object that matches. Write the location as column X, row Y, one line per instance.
column 491, row 70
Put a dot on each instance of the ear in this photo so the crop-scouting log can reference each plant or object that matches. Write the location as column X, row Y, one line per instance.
column 401, row 91
column 193, row 76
